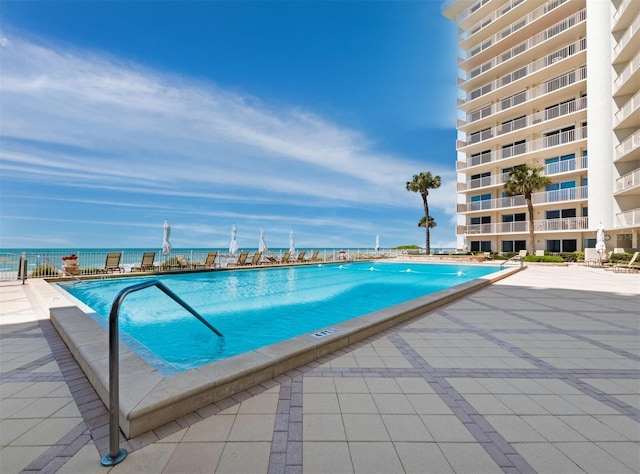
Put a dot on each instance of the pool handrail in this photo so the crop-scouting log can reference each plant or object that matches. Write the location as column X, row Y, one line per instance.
column 115, row 454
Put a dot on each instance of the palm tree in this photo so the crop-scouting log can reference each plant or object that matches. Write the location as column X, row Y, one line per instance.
column 432, row 222
column 422, row 183
column 523, row 181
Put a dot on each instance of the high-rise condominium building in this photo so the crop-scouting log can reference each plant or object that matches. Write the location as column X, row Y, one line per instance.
column 553, row 84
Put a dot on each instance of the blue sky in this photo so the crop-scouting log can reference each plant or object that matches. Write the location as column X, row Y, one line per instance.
column 305, row 116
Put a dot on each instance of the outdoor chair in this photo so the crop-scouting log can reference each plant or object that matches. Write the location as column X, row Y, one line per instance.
column 256, row 259
column 301, row 256
column 314, row 256
column 147, row 263
column 210, row 262
column 112, row 263
column 632, row 266
column 242, row 259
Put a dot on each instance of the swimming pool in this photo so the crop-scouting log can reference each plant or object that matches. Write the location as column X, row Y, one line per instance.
column 254, row 309
column 149, row 399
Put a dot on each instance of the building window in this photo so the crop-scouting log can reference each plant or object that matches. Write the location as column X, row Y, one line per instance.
column 560, row 164
column 513, row 245
column 558, row 137
column 480, row 246
column 480, row 220
column 565, row 245
column 519, row 217
column 513, row 149
column 481, row 201
column 482, row 179
column 480, row 158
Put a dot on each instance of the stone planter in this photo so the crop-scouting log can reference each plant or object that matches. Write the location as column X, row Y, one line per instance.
column 71, row 266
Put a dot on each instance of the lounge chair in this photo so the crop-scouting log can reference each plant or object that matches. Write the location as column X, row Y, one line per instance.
column 112, row 263
column 632, row 266
column 180, row 262
column 314, row 256
column 301, row 257
column 210, row 262
column 242, row 260
column 522, row 254
column 539, row 253
column 286, row 257
column 146, row 264
column 256, row 259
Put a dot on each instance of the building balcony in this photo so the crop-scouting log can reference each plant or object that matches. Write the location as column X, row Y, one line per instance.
column 473, row 57
column 564, row 139
column 626, row 46
column 628, row 184
column 545, row 197
column 522, row 227
column 560, row 167
column 466, row 38
column 629, row 149
column 475, row 75
column 628, row 80
column 542, row 117
column 628, row 219
column 628, row 115
column 623, row 13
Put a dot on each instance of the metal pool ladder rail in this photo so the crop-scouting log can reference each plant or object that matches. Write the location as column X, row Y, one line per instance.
column 115, row 454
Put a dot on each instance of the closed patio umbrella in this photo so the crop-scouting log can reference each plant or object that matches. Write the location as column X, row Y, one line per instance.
column 377, row 243
column 600, row 245
column 166, row 245
column 262, row 246
column 233, row 246
column 292, row 242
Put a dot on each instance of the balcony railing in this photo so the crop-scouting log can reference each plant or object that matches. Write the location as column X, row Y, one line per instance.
column 621, row 9
column 628, row 108
column 544, row 225
column 540, row 117
column 630, row 143
column 628, row 181
column 549, row 170
column 550, row 32
column 629, row 218
column 487, row 20
column 626, row 37
column 465, row 13
column 526, row 147
column 545, row 197
column 545, row 88
column 627, row 72
column 524, row 71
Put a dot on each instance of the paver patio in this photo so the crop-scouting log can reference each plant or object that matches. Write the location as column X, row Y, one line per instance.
column 539, row 372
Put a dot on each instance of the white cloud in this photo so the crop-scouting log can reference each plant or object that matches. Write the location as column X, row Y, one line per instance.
column 73, row 116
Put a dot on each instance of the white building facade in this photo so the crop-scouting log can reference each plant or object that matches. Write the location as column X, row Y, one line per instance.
column 554, row 84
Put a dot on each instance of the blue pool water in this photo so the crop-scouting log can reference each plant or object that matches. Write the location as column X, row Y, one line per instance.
column 255, row 308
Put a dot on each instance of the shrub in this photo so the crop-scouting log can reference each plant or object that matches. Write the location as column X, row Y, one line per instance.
column 543, row 258
column 44, row 270
column 572, row 256
column 620, row 257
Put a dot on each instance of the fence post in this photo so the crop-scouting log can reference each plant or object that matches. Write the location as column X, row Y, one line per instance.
column 22, row 268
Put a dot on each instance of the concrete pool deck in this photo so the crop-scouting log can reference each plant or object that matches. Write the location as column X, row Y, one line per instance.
column 537, row 372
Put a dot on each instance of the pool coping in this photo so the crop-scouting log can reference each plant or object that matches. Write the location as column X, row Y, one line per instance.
column 148, row 399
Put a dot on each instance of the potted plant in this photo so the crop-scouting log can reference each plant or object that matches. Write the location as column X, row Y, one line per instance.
column 70, row 263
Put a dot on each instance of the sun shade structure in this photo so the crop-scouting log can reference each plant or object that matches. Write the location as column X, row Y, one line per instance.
column 166, row 245
column 233, row 246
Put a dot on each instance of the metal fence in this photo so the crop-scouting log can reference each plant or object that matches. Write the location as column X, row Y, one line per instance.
column 50, row 264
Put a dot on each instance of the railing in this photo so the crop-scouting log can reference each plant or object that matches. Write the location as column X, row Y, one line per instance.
column 631, row 106
column 543, row 225
column 551, row 113
column 115, row 454
column 550, row 32
column 465, row 13
column 626, row 37
column 487, row 20
column 545, row 197
column 524, row 71
column 629, row 218
column 49, row 264
column 630, row 143
column 565, row 80
column 526, row 147
column 628, row 181
column 627, row 72
column 549, row 170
